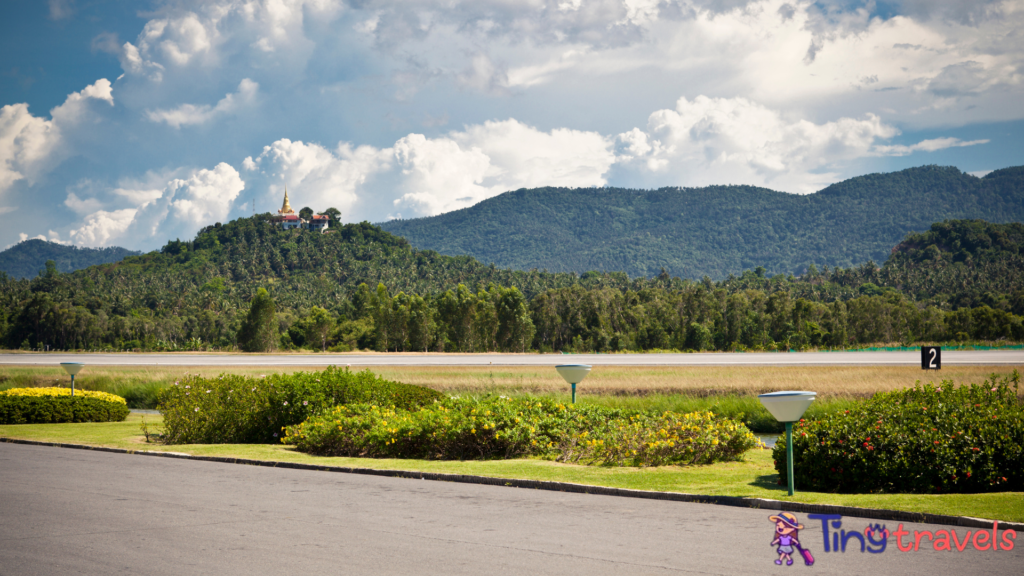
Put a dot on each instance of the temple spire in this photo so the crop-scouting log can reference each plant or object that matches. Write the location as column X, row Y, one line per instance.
column 286, row 208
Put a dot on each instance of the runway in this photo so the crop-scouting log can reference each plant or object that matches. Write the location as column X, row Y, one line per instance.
column 846, row 358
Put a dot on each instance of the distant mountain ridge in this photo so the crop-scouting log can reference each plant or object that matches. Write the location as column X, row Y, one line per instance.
column 716, row 230
column 26, row 259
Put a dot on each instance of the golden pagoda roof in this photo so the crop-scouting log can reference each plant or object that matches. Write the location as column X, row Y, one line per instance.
column 286, row 208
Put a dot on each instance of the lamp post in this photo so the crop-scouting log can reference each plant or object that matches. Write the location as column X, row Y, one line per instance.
column 788, row 407
column 72, row 368
column 573, row 374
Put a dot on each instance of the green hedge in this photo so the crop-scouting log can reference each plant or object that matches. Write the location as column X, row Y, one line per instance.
column 924, row 439
column 231, row 409
column 466, row 428
column 59, row 409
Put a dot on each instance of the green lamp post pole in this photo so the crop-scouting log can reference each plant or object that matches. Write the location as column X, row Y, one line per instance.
column 789, row 456
column 72, row 368
column 573, row 374
column 788, row 407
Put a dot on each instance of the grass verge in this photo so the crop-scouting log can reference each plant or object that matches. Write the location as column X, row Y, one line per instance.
column 753, row 477
column 619, row 381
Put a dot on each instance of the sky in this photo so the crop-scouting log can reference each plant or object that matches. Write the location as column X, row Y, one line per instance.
column 131, row 123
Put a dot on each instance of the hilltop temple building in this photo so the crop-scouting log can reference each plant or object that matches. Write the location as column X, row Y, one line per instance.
column 288, row 220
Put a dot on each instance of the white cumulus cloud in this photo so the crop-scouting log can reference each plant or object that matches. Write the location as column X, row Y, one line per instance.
column 422, row 176
column 737, row 141
column 101, row 228
column 188, row 114
column 31, row 145
column 930, row 145
column 184, row 206
column 315, row 176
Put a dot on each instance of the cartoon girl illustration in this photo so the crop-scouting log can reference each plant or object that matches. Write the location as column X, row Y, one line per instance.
column 786, row 532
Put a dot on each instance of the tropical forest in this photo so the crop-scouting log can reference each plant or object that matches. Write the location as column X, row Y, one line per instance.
column 249, row 285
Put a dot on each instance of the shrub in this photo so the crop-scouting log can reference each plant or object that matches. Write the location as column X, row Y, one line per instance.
column 54, row 391
column 235, row 409
column 923, row 439
column 464, row 428
column 55, row 405
column 144, row 395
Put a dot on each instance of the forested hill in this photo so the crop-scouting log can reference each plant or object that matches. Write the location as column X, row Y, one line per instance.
column 717, row 230
column 361, row 287
column 225, row 264
column 961, row 264
column 27, row 259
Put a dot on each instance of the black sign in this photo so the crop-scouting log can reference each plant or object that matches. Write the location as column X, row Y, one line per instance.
column 931, row 358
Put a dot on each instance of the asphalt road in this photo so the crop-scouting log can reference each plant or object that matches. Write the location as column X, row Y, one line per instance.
column 949, row 357
column 65, row 511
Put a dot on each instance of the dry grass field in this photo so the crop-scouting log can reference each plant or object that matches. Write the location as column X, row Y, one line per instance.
column 848, row 382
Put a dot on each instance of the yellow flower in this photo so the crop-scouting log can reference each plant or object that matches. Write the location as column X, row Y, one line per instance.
column 63, row 392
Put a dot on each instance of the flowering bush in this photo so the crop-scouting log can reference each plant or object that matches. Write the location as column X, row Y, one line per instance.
column 923, row 439
column 238, row 409
column 53, row 391
column 465, row 428
column 56, row 405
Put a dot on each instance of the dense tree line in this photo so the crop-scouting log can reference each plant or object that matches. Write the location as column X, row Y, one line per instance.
column 716, row 230
column 252, row 286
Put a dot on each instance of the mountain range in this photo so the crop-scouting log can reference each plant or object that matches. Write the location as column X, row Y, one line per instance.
column 27, row 259
column 714, row 231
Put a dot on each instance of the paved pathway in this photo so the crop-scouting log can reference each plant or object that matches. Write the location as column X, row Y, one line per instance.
column 65, row 511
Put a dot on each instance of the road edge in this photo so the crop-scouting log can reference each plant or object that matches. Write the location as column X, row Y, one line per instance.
column 739, row 501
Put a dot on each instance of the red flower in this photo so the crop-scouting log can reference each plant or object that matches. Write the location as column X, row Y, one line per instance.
column 868, row 439
column 936, row 441
column 968, row 474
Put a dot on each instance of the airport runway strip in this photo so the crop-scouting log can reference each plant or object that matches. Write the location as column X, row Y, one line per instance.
column 856, row 358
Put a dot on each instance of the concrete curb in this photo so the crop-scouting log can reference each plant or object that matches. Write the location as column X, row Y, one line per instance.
column 760, row 503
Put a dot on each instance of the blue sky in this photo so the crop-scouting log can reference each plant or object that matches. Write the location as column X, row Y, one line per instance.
column 130, row 123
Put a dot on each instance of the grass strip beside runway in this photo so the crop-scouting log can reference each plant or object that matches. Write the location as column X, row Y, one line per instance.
column 753, row 477
column 846, row 382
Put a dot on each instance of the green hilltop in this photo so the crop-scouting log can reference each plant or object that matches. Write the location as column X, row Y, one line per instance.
column 716, row 230
column 358, row 286
column 27, row 259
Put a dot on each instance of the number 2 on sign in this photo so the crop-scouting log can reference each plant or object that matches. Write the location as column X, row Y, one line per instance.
column 931, row 358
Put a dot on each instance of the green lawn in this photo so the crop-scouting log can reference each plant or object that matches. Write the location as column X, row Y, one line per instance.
column 753, row 477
